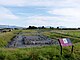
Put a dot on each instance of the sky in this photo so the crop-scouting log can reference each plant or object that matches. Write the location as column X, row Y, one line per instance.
column 40, row 13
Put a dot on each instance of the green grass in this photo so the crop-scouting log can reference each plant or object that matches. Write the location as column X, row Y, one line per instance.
column 56, row 34
column 41, row 53
column 7, row 37
column 28, row 32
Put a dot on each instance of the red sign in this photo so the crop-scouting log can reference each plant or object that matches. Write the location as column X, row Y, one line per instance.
column 65, row 42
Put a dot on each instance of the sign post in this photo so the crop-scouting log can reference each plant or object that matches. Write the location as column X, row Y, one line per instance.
column 65, row 42
column 72, row 49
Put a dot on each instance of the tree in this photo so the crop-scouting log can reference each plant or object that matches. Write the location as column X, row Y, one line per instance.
column 32, row 27
column 43, row 27
column 57, row 27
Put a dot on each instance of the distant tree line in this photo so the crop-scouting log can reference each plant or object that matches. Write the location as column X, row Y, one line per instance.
column 57, row 28
column 34, row 27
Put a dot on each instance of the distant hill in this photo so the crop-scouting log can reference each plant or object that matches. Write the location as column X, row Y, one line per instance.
column 8, row 26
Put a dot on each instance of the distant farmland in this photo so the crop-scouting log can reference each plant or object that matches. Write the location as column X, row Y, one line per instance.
column 50, row 52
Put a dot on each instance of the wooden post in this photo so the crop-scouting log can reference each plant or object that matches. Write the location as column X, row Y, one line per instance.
column 61, row 50
column 72, row 49
column 60, row 47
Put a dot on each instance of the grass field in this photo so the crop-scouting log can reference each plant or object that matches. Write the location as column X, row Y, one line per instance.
column 6, row 37
column 41, row 53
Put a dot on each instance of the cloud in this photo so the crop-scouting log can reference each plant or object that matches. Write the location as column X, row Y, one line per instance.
column 40, row 17
column 26, row 2
column 12, row 2
column 57, row 12
column 43, row 20
column 52, row 21
column 45, row 3
column 70, row 16
column 67, row 12
column 5, row 13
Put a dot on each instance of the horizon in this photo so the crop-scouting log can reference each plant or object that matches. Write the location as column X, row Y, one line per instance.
column 53, row 13
column 37, row 26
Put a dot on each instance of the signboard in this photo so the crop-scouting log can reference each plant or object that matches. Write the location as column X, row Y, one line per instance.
column 65, row 42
